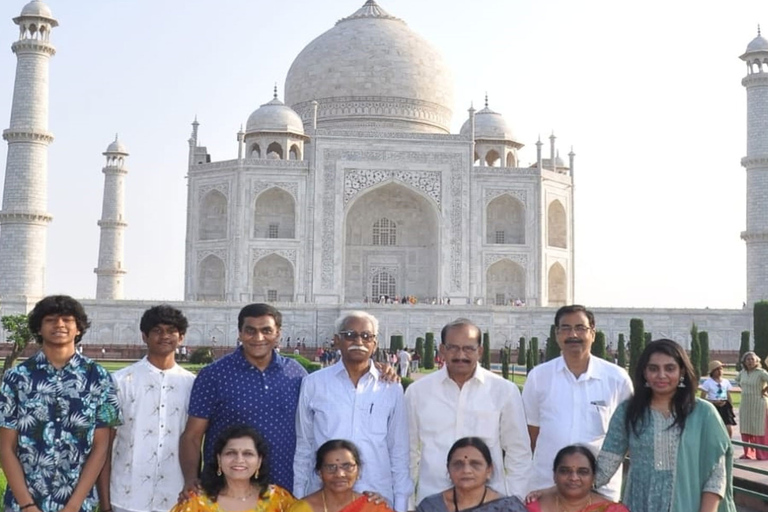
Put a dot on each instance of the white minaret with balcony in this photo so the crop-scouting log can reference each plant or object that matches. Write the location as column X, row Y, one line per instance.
column 110, row 272
column 24, row 218
column 756, row 164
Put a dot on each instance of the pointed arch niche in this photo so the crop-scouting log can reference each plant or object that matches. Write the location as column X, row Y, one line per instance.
column 274, row 214
column 504, row 282
column 211, row 278
column 213, row 216
column 505, row 221
column 273, row 279
column 557, row 286
column 411, row 241
column 557, row 226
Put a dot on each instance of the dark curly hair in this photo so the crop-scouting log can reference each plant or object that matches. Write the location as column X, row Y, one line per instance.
column 59, row 305
column 212, row 483
column 163, row 314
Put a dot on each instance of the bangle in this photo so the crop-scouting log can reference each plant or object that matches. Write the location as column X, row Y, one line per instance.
column 33, row 504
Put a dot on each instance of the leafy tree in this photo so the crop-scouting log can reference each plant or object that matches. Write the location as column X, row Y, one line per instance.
column 429, row 351
column 486, row 363
column 743, row 348
column 636, row 342
column 17, row 327
column 760, row 329
column 505, row 363
column 598, row 347
column 621, row 356
column 395, row 343
column 419, row 349
column 521, row 351
column 528, row 361
column 552, row 349
column 704, row 344
column 695, row 349
column 535, row 350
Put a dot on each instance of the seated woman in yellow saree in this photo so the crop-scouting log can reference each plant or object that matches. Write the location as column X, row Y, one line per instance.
column 338, row 464
column 237, row 481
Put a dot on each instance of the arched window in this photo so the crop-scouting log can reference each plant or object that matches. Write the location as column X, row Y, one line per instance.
column 383, row 283
column 384, row 232
column 213, row 216
column 211, row 279
column 275, row 151
column 273, row 279
column 294, row 153
column 505, row 221
column 511, row 159
column 274, row 215
column 255, row 151
column 556, row 285
column 504, row 283
column 492, row 158
column 557, row 228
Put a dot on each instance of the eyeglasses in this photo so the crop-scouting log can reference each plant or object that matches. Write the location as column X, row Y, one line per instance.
column 579, row 329
column 332, row 469
column 467, row 349
column 354, row 335
column 580, row 472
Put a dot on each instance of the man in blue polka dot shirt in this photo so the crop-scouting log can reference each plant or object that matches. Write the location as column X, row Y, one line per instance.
column 255, row 386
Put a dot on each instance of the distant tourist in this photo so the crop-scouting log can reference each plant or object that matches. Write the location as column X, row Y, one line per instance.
column 752, row 412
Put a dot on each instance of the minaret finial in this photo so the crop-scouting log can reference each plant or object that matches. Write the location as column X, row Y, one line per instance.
column 275, row 93
column 758, row 30
column 486, row 99
column 115, row 136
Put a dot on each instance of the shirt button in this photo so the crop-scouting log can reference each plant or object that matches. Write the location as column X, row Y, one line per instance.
column 266, row 387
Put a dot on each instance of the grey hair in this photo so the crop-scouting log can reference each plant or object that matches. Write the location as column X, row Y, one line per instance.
column 750, row 353
column 341, row 322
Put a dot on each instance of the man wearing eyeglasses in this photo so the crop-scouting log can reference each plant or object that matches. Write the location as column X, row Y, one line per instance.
column 463, row 399
column 570, row 399
column 350, row 400
column 254, row 386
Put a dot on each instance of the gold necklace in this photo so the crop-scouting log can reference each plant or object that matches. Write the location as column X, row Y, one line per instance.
column 562, row 509
column 243, row 498
column 325, row 506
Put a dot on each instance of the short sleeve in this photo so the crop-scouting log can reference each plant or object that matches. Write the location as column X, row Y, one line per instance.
column 201, row 400
column 108, row 410
column 531, row 400
column 8, row 401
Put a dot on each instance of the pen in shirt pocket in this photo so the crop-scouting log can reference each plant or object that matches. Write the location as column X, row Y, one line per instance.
column 370, row 411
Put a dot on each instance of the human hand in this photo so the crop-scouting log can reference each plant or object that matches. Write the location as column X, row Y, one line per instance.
column 388, row 372
column 374, row 497
column 538, row 493
column 191, row 488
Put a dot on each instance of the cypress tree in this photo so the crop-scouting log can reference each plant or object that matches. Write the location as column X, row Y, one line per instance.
column 704, row 343
column 429, row 351
column 528, row 361
column 552, row 349
column 486, row 350
column 621, row 356
column 695, row 350
column 419, row 349
column 598, row 347
column 743, row 348
column 505, row 363
column 636, row 342
column 760, row 329
column 535, row 350
column 521, row 351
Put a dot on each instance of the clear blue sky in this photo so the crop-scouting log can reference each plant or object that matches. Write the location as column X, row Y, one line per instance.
column 648, row 93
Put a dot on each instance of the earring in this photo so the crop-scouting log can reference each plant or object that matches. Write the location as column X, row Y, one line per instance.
column 646, row 384
column 256, row 474
column 218, row 471
column 682, row 382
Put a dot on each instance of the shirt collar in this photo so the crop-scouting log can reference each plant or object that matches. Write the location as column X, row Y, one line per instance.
column 560, row 366
column 479, row 374
column 42, row 362
column 340, row 370
column 154, row 369
column 274, row 363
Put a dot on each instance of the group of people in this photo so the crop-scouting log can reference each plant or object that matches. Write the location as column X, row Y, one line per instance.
column 254, row 432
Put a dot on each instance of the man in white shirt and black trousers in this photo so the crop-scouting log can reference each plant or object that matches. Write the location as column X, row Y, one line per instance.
column 463, row 399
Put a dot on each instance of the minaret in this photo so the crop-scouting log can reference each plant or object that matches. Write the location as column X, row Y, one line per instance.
column 756, row 164
column 110, row 272
column 24, row 218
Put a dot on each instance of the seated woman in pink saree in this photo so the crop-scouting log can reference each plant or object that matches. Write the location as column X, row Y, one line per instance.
column 338, row 464
column 574, row 469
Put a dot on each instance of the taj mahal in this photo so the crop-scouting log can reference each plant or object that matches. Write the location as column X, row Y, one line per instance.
column 350, row 191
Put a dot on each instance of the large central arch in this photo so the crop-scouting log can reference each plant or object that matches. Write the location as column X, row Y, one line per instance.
column 408, row 254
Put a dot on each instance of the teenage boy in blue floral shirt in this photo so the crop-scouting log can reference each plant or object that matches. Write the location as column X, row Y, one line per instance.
column 56, row 411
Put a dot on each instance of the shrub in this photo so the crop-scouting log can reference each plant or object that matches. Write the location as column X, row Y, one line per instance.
column 429, row 351
column 636, row 342
column 308, row 365
column 201, row 355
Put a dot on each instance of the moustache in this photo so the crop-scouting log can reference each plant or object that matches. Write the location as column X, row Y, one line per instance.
column 359, row 349
column 573, row 340
column 458, row 360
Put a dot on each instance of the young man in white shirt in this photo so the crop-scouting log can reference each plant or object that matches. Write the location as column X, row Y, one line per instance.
column 143, row 473
column 570, row 399
column 463, row 399
column 350, row 400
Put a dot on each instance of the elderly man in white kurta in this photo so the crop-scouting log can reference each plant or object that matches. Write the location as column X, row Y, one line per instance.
column 349, row 400
column 143, row 473
column 463, row 399
column 570, row 399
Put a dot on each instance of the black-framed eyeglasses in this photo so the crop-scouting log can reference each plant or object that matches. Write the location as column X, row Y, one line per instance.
column 354, row 335
column 578, row 329
column 467, row 349
column 332, row 469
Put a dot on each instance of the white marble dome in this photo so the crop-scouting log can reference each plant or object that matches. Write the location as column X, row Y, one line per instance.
column 371, row 71
column 36, row 8
column 117, row 147
column 274, row 116
column 489, row 125
column 758, row 44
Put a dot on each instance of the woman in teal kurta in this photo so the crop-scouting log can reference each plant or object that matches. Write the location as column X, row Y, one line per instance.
column 680, row 451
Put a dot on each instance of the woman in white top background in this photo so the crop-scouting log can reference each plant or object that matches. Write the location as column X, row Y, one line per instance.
column 717, row 390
